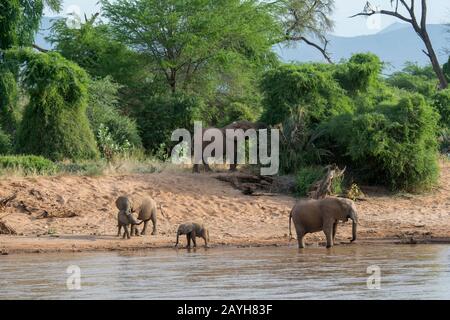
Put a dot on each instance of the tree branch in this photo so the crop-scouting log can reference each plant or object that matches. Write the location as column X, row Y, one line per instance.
column 38, row 48
column 385, row 12
column 323, row 50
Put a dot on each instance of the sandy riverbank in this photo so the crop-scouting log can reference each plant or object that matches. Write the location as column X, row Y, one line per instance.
column 78, row 213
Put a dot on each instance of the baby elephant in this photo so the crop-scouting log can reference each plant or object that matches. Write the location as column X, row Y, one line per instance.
column 125, row 218
column 193, row 230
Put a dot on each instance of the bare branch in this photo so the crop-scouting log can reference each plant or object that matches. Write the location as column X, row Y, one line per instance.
column 385, row 12
column 323, row 50
column 38, row 48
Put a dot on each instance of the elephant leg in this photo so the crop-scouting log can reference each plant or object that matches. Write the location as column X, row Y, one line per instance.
column 301, row 239
column 154, row 225
column 206, row 242
column 178, row 240
column 193, row 236
column 119, row 229
column 196, row 168
column 328, row 230
column 188, row 238
column 207, row 167
column 144, row 230
column 136, row 231
column 334, row 231
column 126, row 233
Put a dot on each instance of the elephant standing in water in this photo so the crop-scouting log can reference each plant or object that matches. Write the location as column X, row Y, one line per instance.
column 311, row 216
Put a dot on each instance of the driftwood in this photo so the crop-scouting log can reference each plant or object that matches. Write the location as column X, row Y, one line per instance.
column 248, row 184
column 322, row 188
column 4, row 201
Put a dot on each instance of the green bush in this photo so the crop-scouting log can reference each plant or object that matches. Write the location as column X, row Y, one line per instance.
column 54, row 123
column 393, row 145
column 415, row 79
column 359, row 73
column 306, row 177
column 114, row 131
column 309, row 89
column 441, row 103
column 162, row 115
column 27, row 164
column 5, row 143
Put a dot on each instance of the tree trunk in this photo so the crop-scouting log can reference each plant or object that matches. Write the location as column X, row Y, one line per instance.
column 443, row 84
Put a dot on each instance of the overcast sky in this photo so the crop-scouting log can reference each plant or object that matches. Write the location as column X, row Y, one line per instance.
column 439, row 12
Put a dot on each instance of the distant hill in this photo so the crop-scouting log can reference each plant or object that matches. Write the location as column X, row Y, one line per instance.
column 395, row 45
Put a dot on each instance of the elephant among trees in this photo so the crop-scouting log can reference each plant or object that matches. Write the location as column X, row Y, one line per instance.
column 243, row 125
column 311, row 216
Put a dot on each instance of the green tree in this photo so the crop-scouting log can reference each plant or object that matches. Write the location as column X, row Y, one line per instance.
column 54, row 123
column 191, row 41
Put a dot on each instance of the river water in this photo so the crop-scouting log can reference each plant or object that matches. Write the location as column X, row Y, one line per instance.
column 406, row 272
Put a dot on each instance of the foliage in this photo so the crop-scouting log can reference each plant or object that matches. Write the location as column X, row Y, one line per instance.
column 359, row 73
column 5, row 143
column 414, row 78
column 306, row 177
column 114, row 132
column 163, row 114
column 20, row 20
column 298, row 145
column 446, row 69
column 354, row 192
column 308, row 89
column 186, row 40
column 393, row 144
column 9, row 116
column 27, row 164
column 54, row 123
column 441, row 103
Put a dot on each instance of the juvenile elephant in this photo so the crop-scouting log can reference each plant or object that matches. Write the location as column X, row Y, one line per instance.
column 311, row 216
column 193, row 230
column 125, row 218
column 146, row 212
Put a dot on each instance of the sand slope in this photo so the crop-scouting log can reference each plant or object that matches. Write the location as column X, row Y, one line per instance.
column 78, row 213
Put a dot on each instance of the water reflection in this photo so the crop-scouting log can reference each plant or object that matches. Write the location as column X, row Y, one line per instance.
column 408, row 272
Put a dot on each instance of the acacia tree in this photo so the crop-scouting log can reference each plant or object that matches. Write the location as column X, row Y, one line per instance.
column 191, row 41
column 416, row 15
column 307, row 21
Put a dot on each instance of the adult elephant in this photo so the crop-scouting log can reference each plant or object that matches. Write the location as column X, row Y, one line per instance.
column 311, row 216
column 243, row 125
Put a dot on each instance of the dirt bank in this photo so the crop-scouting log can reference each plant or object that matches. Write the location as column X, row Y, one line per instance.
column 78, row 213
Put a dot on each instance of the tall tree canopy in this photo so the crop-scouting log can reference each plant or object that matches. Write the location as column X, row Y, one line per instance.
column 185, row 39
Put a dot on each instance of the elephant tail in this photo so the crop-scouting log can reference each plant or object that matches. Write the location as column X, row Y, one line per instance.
column 162, row 212
column 290, row 230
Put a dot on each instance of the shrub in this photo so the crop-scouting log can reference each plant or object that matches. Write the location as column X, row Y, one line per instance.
column 5, row 143
column 359, row 73
column 441, row 103
column 309, row 89
column 27, row 164
column 306, row 177
column 393, row 145
column 114, row 131
column 54, row 123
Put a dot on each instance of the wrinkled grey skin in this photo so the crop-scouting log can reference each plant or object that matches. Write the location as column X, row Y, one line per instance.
column 146, row 212
column 193, row 230
column 311, row 216
column 125, row 218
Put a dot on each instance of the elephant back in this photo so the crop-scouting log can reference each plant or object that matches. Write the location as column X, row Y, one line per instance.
column 124, row 204
column 147, row 208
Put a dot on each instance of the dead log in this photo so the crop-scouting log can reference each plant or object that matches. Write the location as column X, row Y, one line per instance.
column 4, row 201
column 5, row 229
column 322, row 188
